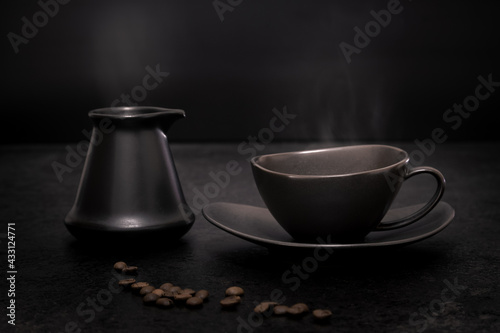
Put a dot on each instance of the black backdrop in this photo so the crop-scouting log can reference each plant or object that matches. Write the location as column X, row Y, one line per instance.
column 229, row 74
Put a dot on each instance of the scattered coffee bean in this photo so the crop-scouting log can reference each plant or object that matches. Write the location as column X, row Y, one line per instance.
column 194, row 302
column 150, row 298
column 322, row 314
column 159, row 292
column 188, row 291
column 165, row 295
column 166, row 286
column 119, row 266
column 234, row 291
column 139, row 285
column 230, row 301
column 295, row 311
column 175, row 289
column 264, row 306
column 280, row 310
column 182, row 297
column 302, row 306
column 169, row 294
column 146, row 290
column 164, row 302
column 130, row 270
column 203, row 294
column 126, row 282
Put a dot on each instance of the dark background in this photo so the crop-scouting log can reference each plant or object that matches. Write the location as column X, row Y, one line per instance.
column 228, row 75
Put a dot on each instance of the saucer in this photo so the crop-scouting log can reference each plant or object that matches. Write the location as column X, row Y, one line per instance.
column 257, row 225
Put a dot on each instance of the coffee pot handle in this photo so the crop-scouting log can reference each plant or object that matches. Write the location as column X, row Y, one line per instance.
column 404, row 221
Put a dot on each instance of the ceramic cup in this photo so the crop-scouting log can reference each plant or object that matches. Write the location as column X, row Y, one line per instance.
column 341, row 193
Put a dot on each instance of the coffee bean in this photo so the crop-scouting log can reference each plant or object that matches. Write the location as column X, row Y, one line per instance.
column 126, row 282
column 175, row 289
column 119, row 266
column 165, row 295
column 150, row 298
column 264, row 306
column 166, row 286
column 234, row 291
column 130, row 270
column 203, row 294
column 280, row 310
column 295, row 311
column 302, row 306
column 159, row 292
column 169, row 294
column 230, row 301
column 194, row 302
column 322, row 314
column 188, row 291
column 139, row 285
column 146, row 290
column 182, row 297
column 164, row 302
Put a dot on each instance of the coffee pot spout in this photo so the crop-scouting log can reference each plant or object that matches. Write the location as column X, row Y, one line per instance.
column 169, row 116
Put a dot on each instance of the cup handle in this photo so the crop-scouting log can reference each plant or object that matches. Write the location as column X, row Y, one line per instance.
column 422, row 211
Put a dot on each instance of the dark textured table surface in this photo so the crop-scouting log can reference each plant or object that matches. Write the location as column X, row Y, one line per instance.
column 64, row 285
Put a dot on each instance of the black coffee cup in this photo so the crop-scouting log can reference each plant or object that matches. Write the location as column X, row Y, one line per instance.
column 340, row 192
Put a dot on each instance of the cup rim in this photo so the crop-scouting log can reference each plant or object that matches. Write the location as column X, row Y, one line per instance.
column 255, row 162
column 127, row 112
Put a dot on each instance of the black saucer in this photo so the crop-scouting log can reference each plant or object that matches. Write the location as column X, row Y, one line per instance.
column 257, row 225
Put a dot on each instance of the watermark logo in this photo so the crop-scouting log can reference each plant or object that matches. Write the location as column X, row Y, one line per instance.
column 75, row 156
column 222, row 7
column 11, row 272
column 87, row 309
column 140, row 91
column 437, row 306
column 292, row 278
column 248, row 148
column 454, row 117
column 372, row 29
column 30, row 28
